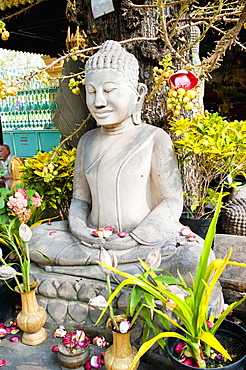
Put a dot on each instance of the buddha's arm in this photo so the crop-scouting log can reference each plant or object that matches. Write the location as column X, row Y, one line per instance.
column 81, row 202
column 162, row 221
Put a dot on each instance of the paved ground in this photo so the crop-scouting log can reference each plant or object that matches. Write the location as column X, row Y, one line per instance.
column 19, row 356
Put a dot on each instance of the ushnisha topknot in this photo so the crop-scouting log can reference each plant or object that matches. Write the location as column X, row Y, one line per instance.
column 112, row 55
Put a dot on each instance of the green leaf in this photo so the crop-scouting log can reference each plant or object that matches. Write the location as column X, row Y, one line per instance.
column 168, row 280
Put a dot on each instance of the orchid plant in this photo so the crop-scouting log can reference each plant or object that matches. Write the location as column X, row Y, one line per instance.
column 190, row 305
column 124, row 322
column 20, row 248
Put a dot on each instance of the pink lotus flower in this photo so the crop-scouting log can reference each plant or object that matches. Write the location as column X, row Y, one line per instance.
column 184, row 79
column 99, row 341
column 209, row 324
column 179, row 348
column 190, row 362
column 108, row 259
column 3, row 333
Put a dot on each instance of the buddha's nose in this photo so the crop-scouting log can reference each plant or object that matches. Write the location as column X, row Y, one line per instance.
column 100, row 100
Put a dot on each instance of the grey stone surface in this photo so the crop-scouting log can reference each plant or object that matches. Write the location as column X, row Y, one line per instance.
column 234, row 275
column 19, row 356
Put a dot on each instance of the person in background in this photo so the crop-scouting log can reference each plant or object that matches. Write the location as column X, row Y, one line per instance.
column 5, row 162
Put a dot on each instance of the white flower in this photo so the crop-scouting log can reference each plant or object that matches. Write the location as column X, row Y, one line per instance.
column 7, row 272
column 98, row 302
column 105, row 257
column 124, row 326
column 25, row 233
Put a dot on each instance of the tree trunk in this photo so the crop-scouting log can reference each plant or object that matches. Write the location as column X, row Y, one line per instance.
column 124, row 23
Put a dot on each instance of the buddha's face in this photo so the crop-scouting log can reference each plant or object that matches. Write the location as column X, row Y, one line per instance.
column 109, row 98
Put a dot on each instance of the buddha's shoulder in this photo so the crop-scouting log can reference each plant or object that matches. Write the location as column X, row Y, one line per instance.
column 153, row 130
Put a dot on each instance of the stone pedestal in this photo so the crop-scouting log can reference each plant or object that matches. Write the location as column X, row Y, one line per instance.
column 233, row 277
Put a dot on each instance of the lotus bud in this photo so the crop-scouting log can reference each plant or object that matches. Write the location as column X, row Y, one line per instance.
column 105, row 257
column 25, row 233
column 98, row 302
column 153, row 259
column 7, row 272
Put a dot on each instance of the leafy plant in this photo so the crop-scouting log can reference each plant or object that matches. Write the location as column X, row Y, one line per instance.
column 209, row 148
column 191, row 308
column 51, row 173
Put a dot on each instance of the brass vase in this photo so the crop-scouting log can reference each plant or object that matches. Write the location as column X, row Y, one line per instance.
column 31, row 318
column 70, row 360
column 120, row 355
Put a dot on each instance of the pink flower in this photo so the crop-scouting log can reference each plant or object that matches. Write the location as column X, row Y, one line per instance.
column 2, row 362
column 190, row 362
column 36, row 201
column 88, row 365
column 14, row 339
column 95, row 361
column 54, row 349
column 106, row 232
column 183, row 78
column 99, row 341
column 122, row 234
column 209, row 324
column 179, row 348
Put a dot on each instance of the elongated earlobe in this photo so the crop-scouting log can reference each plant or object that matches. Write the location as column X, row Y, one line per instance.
column 136, row 116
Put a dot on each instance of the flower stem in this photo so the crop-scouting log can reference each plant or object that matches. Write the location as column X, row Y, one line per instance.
column 111, row 310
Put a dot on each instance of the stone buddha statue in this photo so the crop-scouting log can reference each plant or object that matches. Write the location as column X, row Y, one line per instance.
column 126, row 177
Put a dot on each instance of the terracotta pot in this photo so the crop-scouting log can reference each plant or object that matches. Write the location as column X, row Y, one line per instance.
column 31, row 318
column 120, row 355
column 228, row 330
column 70, row 360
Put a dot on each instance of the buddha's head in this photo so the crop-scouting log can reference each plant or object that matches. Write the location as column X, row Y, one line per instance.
column 113, row 93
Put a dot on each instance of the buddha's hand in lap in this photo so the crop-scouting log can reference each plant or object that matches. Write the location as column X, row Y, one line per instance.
column 117, row 242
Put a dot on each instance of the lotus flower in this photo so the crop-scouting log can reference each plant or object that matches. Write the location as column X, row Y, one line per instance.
column 98, row 302
column 25, row 233
column 108, row 259
column 7, row 272
column 184, row 79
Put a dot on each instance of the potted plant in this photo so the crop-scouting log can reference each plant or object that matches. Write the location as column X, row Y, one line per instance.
column 73, row 349
column 18, row 207
column 189, row 305
column 211, row 152
column 121, row 353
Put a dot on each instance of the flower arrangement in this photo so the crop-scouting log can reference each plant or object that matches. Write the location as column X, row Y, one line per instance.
column 18, row 209
column 20, row 205
column 20, row 248
column 73, row 341
column 189, row 305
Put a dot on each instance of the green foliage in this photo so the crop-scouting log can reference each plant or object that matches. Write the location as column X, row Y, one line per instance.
column 214, row 149
column 192, row 308
column 51, row 174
